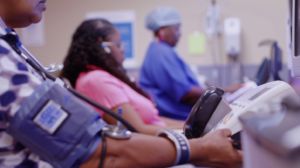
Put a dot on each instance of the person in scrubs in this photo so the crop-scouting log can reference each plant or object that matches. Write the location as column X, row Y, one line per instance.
column 164, row 75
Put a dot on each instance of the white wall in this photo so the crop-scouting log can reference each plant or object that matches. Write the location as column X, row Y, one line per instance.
column 260, row 19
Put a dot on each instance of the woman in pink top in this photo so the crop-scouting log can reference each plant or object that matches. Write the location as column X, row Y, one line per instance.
column 94, row 67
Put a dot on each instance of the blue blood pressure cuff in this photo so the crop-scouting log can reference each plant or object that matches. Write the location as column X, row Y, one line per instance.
column 57, row 126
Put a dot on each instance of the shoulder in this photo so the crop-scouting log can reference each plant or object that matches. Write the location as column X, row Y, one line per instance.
column 101, row 86
column 13, row 65
column 159, row 53
column 98, row 72
column 96, row 78
column 98, row 75
column 162, row 47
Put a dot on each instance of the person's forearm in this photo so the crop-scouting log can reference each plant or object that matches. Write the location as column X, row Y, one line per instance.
column 145, row 151
column 138, row 151
column 193, row 95
column 212, row 150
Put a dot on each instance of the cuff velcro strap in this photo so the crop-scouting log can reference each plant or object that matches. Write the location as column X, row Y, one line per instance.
column 181, row 143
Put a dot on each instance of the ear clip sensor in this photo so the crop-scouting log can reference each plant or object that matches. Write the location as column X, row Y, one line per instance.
column 105, row 47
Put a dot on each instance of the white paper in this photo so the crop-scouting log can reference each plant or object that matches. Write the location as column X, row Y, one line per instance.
column 34, row 35
column 125, row 23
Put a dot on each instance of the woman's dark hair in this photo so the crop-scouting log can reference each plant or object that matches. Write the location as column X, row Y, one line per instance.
column 86, row 50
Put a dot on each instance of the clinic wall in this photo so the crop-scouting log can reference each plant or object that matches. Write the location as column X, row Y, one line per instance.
column 260, row 19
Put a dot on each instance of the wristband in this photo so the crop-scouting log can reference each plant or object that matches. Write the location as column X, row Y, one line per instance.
column 181, row 143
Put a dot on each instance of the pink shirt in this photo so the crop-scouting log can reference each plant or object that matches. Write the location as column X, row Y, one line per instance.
column 110, row 92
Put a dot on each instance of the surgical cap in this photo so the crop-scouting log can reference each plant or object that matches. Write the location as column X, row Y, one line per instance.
column 162, row 16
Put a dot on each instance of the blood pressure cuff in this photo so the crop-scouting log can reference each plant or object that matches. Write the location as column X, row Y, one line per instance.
column 57, row 126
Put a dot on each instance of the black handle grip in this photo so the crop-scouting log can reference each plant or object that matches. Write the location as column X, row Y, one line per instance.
column 202, row 112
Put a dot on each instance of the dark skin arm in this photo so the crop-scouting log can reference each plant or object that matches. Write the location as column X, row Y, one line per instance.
column 213, row 150
column 195, row 92
column 193, row 95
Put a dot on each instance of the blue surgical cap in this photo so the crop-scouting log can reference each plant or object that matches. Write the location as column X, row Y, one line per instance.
column 162, row 16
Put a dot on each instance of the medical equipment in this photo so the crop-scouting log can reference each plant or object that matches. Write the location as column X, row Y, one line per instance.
column 271, row 130
column 262, row 76
column 272, row 139
column 67, row 128
column 105, row 45
column 214, row 116
column 51, row 69
column 247, row 86
column 260, row 95
column 198, row 123
column 232, row 36
column 263, row 73
column 269, row 67
column 115, row 132
column 213, row 29
column 276, row 58
column 232, row 40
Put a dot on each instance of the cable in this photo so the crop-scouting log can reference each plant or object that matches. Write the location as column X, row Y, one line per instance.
column 103, row 149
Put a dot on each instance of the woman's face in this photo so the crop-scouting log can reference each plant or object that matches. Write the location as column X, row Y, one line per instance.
column 172, row 34
column 117, row 50
column 21, row 13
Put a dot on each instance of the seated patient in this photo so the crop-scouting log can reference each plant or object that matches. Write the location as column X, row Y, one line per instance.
column 94, row 67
